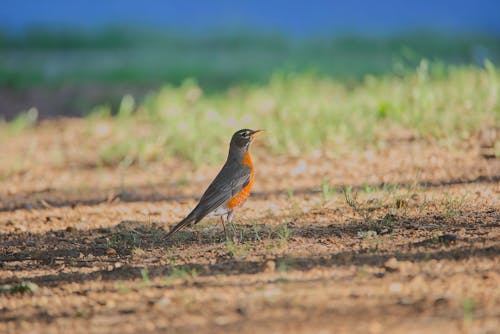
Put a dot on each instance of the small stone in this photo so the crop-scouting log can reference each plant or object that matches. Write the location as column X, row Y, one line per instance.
column 447, row 239
column 419, row 285
column 391, row 265
column 395, row 287
column 441, row 301
column 270, row 266
column 299, row 169
column 269, row 293
column 164, row 301
column 111, row 251
column 223, row 320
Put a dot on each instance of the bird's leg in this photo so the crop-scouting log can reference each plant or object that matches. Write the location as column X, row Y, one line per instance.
column 223, row 226
column 233, row 229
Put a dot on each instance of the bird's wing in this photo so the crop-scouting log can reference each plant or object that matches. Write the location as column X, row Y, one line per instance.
column 227, row 184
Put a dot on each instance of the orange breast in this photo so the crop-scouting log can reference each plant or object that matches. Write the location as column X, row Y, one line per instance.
column 241, row 197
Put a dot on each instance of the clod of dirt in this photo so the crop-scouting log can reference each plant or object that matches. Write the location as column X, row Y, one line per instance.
column 163, row 302
column 111, row 251
column 487, row 139
column 270, row 266
column 395, row 287
column 391, row 265
column 441, row 302
column 367, row 234
column 447, row 239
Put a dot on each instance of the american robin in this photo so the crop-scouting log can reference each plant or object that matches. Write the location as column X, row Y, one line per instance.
column 231, row 186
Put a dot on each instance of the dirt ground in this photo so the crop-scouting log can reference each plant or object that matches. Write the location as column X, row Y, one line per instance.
column 413, row 248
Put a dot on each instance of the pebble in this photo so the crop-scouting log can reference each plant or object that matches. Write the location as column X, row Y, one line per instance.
column 270, row 266
column 111, row 251
column 163, row 302
column 395, row 287
column 391, row 265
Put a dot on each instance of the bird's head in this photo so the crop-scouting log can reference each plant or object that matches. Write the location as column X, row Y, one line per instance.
column 244, row 137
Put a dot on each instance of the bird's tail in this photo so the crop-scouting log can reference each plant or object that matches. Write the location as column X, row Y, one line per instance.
column 183, row 223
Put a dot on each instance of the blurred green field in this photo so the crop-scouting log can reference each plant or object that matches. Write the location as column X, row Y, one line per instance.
column 336, row 94
column 300, row 112
column 220, row 59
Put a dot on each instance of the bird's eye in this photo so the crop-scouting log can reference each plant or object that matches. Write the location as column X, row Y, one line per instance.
column 245, row 134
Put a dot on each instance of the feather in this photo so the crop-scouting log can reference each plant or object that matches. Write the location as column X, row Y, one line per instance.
column 231, row 179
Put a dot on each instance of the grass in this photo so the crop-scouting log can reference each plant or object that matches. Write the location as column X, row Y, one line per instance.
column 286, row 263
column 380, row 208
column 237, row 249
column 20, row 288
column 256, row 229
column 183, row 273
column 468, row 306
column 326, row 190
column 364, row 208
column 24, row 120
column 301, row 113
column 145, row 275
column 453, row 205
column 124, row 242
column 284, row 233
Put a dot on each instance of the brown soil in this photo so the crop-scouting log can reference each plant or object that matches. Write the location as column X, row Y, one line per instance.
column 420, row 256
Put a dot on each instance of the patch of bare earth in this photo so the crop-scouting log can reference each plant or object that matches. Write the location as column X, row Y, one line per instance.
column 413, row 247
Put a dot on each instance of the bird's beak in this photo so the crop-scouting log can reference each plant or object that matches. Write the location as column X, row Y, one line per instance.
column 256, row 133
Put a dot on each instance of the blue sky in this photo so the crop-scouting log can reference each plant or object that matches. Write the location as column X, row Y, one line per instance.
column 290, row 17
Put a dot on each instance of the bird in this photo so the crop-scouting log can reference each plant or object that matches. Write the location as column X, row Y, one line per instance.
column 230, row 188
